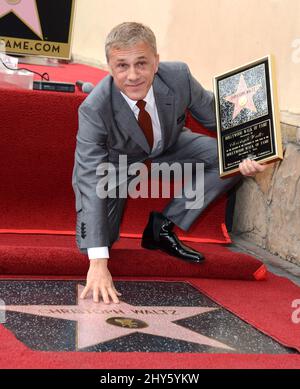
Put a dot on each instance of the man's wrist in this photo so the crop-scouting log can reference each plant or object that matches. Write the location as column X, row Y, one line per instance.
column 100, row 262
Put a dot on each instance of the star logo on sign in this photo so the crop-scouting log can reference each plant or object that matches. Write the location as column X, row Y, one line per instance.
column 26, row 11
column 243, row 97
column 99, row 323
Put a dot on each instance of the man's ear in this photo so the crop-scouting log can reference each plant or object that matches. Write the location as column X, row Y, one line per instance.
column 109, row 69
column 156, row 62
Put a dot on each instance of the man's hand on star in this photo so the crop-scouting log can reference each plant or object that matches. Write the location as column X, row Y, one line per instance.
column 250, row 168
column 100, row 283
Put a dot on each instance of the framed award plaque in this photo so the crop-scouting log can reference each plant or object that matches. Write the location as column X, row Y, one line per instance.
column 248, row 124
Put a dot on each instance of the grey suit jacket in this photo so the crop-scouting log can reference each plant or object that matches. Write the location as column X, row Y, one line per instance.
column 108, row 128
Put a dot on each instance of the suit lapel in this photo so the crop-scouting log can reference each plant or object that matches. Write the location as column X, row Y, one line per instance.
column 126, row 120
column 165, row 107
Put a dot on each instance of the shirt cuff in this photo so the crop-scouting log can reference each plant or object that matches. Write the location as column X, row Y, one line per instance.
column 98, row 252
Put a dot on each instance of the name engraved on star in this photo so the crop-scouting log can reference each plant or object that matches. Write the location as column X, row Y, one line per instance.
column 247, row 113
column 93, row 311
column 155, row 311
column 13, row 1
column 63, row 311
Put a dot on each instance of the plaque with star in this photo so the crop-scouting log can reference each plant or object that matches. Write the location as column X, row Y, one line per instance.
column 37, row 27
column 248, row 124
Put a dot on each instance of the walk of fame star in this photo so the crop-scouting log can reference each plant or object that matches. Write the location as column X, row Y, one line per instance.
column 243, row 97
column 98, row 323
column 26, row 11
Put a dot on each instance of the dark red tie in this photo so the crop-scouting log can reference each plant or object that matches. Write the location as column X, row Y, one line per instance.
column 145, row 122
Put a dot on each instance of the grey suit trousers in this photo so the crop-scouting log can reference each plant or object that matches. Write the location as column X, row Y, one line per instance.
column 189, row 148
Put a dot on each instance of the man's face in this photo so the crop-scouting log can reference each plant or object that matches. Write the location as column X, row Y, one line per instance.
column 133, row 69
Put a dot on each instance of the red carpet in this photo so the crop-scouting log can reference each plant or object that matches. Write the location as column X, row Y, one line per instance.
column 37, row 152
column 37, row 157
column 57, row 255
column 265, row 305
column 22, row 358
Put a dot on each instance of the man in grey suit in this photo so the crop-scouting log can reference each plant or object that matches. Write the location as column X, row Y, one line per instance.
column 139, row 111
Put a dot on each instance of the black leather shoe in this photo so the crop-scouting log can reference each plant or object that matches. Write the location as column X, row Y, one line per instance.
column 158, row 235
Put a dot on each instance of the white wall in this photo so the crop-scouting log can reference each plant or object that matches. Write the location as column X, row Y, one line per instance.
column 212, row 36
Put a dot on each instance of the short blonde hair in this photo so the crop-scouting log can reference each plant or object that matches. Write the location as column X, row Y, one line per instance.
column 127, row 34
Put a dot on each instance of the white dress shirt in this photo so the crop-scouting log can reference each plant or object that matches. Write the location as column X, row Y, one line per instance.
column 103, row 252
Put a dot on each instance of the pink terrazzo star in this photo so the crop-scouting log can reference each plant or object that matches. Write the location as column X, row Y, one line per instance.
column 99, row 323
